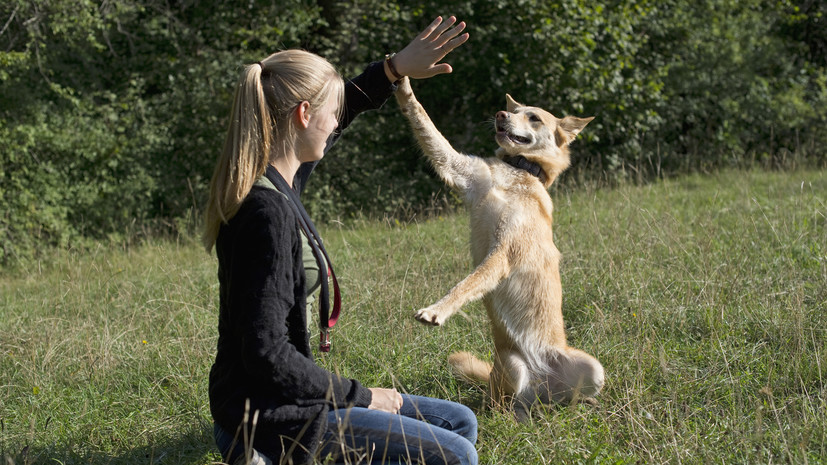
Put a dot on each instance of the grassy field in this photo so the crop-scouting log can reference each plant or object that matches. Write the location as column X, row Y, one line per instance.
column 704, row 297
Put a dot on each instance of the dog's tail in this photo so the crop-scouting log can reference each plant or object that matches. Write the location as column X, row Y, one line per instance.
column 469, row 367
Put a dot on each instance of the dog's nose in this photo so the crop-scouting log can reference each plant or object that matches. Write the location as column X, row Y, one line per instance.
column 502, row 115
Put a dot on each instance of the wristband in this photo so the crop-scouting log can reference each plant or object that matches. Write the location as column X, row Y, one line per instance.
column 389, row 61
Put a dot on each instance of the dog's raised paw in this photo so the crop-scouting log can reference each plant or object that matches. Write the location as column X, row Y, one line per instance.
column 403, row 89
column 428, row 317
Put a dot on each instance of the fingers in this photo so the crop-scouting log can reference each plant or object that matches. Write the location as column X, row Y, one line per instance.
column 430, row 29
column 445, row 42
column 420, row 58
column 386, row 400
column 454, row 43
column 446, row 37
column 442, row 68
column 397, row 401
column 436, row 31
column 444, row 27
column 436, row 27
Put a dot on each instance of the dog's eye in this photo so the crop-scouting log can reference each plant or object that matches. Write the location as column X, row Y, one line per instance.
column 533, row 118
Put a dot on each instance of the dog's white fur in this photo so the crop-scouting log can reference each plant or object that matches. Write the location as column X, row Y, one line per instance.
column 517, row 264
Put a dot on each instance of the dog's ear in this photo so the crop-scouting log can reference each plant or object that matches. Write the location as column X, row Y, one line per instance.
column 569, row 127
column 511, row 104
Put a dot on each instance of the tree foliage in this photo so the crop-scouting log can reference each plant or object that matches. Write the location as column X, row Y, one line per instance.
column 112, row 112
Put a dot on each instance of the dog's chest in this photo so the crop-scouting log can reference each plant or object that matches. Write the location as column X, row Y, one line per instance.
column 508, row 206
column 508, row 193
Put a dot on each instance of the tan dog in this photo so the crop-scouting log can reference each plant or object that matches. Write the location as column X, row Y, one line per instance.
column 517, row 265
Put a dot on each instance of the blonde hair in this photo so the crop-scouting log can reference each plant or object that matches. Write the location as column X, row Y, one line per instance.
column 261, row 127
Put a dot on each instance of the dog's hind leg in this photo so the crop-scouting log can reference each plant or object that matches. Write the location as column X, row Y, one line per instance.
column 493, row 269
column 511, row 384
column 575, row 376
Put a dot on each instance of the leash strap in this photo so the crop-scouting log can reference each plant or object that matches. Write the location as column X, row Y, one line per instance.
column 326, row 319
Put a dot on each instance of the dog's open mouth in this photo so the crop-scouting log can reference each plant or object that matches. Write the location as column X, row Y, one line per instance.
column 514, row 138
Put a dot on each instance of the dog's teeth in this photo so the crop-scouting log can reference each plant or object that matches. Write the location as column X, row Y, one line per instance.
column 518, row 139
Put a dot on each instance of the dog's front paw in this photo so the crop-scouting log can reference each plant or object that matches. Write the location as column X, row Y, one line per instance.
column 404, row 92
column 429, row 317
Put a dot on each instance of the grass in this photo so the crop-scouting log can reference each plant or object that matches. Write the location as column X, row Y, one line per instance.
column 704, row 297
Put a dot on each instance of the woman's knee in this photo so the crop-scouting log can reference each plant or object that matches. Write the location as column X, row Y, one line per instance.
column 467, row 453
column 465, row 423
column 446, row 414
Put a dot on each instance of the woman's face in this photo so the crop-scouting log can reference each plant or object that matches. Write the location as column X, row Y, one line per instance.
column 312, row 140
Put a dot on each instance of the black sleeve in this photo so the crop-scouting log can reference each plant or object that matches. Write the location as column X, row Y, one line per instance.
column 266, row 284
column 367, row 91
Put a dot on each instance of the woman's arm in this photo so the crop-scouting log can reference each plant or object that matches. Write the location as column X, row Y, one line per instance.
column 418, row 60
column 368, row 91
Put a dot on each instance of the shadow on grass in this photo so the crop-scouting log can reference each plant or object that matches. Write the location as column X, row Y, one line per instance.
column 192, row 445
column 195, row 446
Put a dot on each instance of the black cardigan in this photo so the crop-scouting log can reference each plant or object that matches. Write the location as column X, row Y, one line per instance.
column 263, row 349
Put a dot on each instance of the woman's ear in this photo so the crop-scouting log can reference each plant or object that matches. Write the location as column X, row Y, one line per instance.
column 302, row 114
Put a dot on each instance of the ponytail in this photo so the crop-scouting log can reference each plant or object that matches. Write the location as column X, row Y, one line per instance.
column 244, row 158
column 266, row 95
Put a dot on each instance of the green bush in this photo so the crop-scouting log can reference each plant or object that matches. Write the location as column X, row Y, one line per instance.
column 112, row 113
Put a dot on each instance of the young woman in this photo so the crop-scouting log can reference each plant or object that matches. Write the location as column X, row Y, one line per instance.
column 265, row 388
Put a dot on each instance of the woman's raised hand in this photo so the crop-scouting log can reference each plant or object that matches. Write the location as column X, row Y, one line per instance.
column 420, row 58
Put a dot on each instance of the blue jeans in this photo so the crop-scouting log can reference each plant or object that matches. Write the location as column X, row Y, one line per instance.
column 426, row 431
